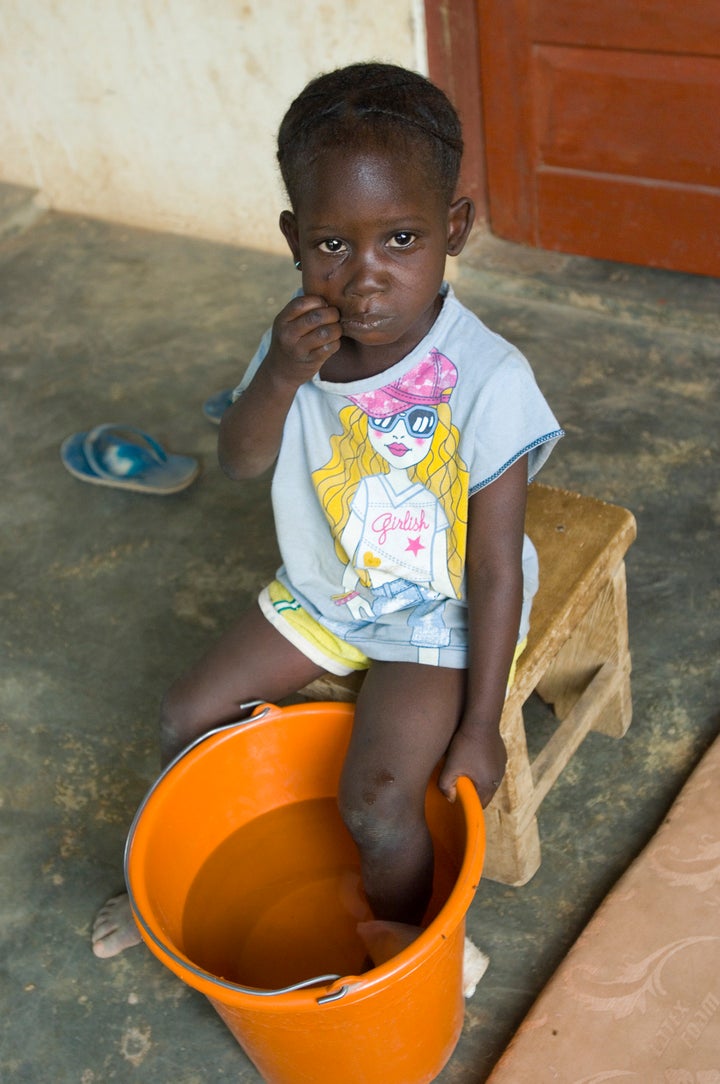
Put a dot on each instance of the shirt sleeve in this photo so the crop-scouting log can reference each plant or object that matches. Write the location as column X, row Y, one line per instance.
column 510, row 418
column 254, row 365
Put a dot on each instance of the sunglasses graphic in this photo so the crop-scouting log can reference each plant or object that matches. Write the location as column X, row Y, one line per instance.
column 419, row 421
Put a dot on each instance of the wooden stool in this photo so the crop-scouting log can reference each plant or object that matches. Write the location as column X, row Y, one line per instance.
column 576, row 659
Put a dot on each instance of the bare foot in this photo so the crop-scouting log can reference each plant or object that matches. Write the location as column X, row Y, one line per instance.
column 114, row 929
column 383, row 940
column 475, row 964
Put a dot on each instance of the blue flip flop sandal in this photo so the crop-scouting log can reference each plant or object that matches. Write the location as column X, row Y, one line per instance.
column 217, row 404
column 123, row 457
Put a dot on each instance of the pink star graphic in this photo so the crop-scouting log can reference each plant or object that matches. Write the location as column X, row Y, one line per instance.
column 415, row 545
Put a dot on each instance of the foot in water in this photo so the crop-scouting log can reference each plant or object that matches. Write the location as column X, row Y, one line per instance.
column 114, row 929
column 383, row 940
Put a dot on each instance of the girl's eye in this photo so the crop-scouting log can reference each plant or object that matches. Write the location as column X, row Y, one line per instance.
column 402, row 239
column 333, row 244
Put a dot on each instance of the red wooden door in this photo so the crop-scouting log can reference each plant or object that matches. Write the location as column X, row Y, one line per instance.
column 602, row 127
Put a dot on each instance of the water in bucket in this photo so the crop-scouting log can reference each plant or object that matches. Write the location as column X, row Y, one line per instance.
column 279, row 900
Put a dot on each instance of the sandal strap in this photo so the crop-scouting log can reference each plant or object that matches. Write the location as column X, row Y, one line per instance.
column 148, row 448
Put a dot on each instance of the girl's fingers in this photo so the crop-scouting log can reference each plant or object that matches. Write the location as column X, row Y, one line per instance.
column 310, row 310
column 308, row 325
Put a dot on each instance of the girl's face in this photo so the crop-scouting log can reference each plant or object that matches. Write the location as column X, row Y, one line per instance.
column 373, row 233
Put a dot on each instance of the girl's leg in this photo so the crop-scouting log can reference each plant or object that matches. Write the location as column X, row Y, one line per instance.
column 252, row 661
column 406, row 715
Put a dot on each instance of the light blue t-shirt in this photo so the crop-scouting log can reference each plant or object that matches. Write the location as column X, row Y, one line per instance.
column 371, row 486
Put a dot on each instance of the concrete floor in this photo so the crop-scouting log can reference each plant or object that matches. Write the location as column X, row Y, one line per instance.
column 108, row 595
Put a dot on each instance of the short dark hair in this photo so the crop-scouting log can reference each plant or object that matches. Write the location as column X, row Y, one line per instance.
column 375, row 103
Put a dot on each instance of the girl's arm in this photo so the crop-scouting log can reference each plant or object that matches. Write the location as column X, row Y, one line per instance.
column 305, row 334
column 494, row 587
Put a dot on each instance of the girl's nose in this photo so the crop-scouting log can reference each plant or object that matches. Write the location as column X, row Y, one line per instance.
column 367, row 276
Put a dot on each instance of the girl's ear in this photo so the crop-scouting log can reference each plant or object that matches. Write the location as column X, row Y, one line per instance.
column 288, row 226
column 461, row 215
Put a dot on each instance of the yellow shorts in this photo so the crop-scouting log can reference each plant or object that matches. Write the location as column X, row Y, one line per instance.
column 308, row 635
column 316, row 642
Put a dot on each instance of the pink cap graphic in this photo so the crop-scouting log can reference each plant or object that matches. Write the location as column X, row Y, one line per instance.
column 429, row 383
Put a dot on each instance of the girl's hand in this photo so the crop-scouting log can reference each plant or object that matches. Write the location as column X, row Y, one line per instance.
column 480, row 755
column 305, row 334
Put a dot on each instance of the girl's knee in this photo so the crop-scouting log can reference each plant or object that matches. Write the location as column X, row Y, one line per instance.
column 376, row 815
column 180, row 720
column 190, row 709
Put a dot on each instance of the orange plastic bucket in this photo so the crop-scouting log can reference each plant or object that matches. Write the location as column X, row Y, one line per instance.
column 246, row 885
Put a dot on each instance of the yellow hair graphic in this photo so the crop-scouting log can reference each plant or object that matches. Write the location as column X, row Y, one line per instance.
column 352, row 458
column 442, row 472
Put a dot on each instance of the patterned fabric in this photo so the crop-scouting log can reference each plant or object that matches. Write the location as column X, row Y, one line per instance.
column 637, row 1000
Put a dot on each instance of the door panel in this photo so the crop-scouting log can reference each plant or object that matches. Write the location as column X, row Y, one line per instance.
column 617, row 108
column 658, row 26
column 628, row 221
column 602, row 127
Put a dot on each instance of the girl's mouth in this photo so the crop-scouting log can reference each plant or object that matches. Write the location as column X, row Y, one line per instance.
column 363, row 321
column 398, row 449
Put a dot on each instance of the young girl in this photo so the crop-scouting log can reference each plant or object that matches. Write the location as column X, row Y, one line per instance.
column 402, row 433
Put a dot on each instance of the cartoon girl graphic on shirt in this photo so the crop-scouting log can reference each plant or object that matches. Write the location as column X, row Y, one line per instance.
column 395, row 494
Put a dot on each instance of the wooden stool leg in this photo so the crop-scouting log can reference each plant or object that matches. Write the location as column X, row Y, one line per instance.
column 601, row 636
column 617, row 717
column 513, row 849
column 513, row 841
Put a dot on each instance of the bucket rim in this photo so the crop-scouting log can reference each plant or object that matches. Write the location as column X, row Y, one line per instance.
column 437, row 931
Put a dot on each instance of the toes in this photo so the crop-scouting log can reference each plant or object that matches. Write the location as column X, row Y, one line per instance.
column 383, row 940
column 108, row 917
column 116, row 942
column 103, row 948
column 475, row 964
column 114, row 928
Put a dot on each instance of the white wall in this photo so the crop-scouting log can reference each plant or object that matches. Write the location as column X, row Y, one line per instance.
column 163, row 113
